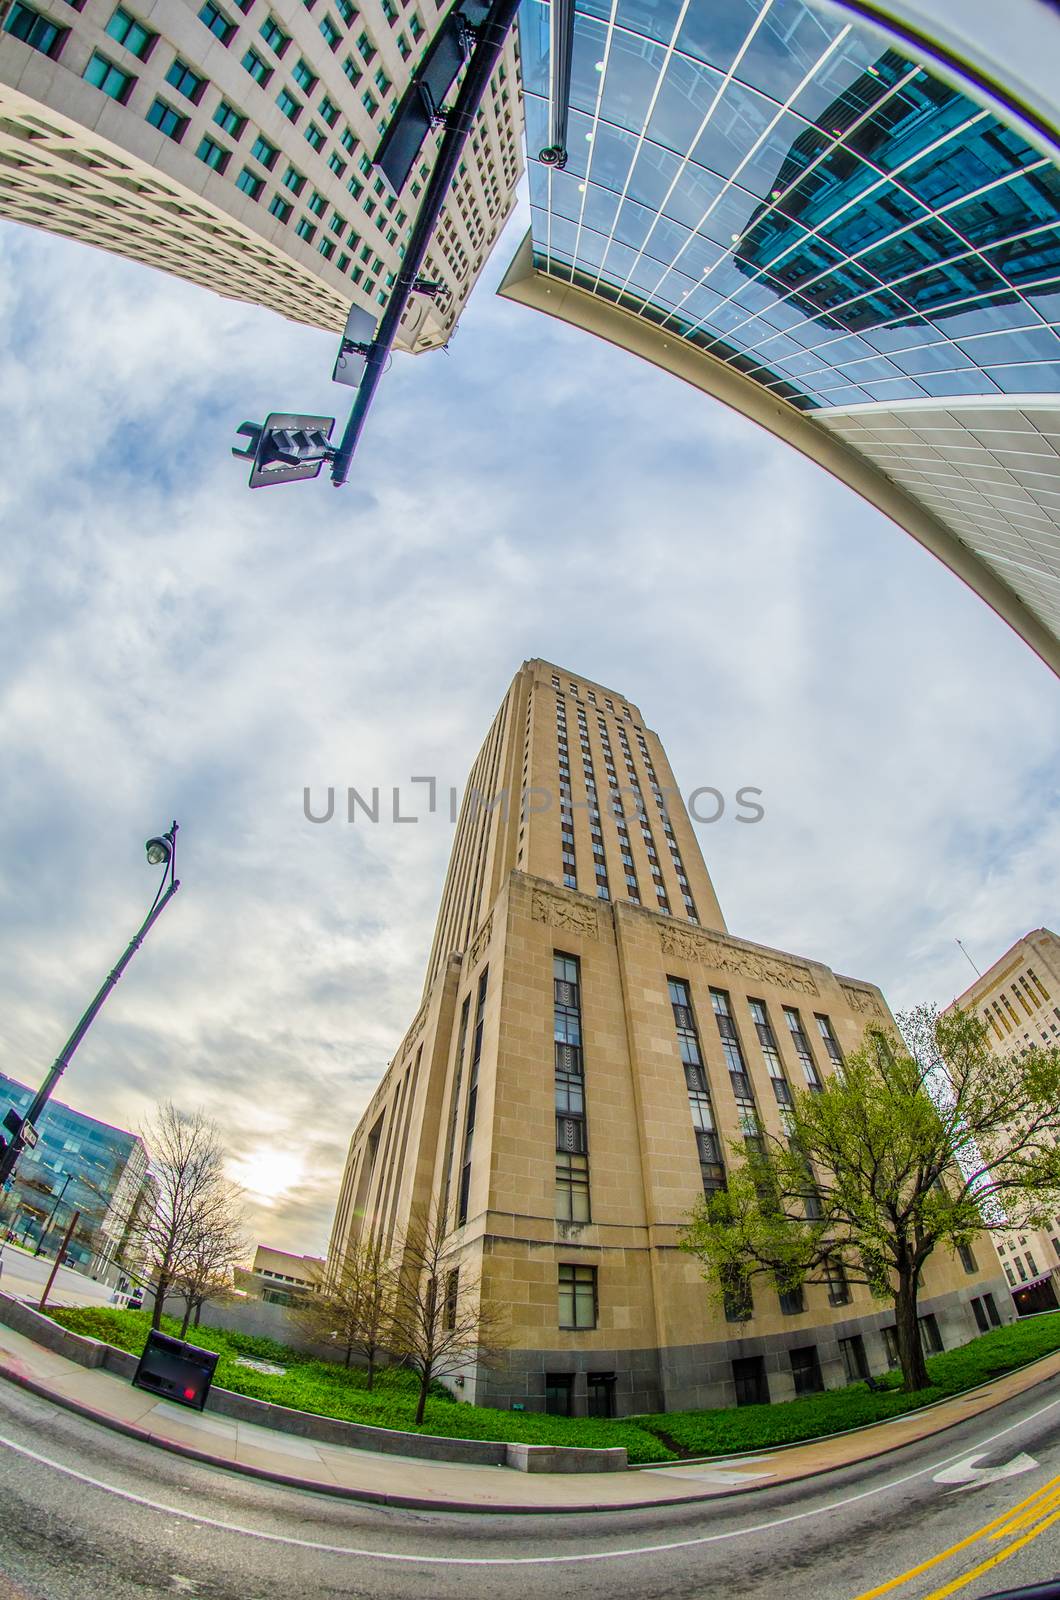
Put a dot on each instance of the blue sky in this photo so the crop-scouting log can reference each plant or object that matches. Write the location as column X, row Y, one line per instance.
column 173, row 645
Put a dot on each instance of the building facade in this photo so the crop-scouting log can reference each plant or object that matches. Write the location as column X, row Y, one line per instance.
column 1018, row 999
column 231, row 142
column 78, row 1164
column 839, row 218
column 590, row 1043
column 279, row 1277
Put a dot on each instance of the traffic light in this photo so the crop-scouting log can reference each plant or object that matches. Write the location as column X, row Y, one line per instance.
column 286, row 447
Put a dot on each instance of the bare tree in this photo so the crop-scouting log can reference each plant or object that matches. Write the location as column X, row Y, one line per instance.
column 219, row 1242
column 187, row 1159
column 353, row 1303
column 440, row 1322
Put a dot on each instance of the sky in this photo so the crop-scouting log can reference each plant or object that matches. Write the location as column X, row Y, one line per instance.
column 173, row 645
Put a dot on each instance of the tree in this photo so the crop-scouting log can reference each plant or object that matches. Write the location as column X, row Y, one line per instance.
column 353, row 1303
column 219, row 1241
column 440, row 1322
column 910, row 1145
column 187, row 1160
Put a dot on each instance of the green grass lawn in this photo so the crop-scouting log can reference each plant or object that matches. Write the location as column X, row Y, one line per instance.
column 332, row 1391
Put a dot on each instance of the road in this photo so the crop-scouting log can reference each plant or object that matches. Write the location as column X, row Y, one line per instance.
column 86, row 1514
column 25, row 1275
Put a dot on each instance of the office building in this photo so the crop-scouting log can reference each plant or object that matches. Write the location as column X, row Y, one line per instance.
column 1018, row 999
column 843, row 221
column 279, row 1277
column 231, row 142
column 591, row 1040
column 84, row 1165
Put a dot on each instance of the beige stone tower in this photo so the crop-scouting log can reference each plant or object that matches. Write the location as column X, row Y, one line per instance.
column 590, row 1042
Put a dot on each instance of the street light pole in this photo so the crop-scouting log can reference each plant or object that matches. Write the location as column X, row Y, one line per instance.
column 48, row 1225
column 160, row 851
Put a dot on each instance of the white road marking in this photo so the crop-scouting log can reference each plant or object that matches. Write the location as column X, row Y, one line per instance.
column 509, row 1561
column 969, row 1476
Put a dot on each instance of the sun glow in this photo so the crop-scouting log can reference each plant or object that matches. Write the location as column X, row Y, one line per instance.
column 268, row 1172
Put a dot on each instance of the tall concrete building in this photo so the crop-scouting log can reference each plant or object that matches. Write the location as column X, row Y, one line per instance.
column 231, row 142
column 591, row 1040
column 1018, row 999
column 840, row 218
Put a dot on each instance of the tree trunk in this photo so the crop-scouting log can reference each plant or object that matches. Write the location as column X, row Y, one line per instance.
column 421, row 1404
column 910, row 1350
column 198, row 1312
column 187, row 1319
column 371, row 1369
column 160, row 1298
column 349, row 1353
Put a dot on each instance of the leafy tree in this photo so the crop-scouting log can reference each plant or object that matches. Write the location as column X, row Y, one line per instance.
column 353, row 1303
column 912, row 1144
column 194, row 1197
column 440, row 1322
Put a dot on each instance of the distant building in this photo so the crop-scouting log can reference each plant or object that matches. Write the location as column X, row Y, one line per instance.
column 1019, row 1000
column 79, row 1164
column 279, row 1277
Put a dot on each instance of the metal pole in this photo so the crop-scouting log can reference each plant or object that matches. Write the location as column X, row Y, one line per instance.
column 62, row 1061
column 484, row 57
column 58, row 1259
column 48, row 1225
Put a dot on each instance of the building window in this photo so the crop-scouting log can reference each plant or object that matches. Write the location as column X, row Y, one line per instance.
column 38, row 31
column 712, row 1170
column 1010, row 1275
column 930, row 1338
column 305, row 230
column 577, row 1297
column 365, row 46
column 250, row 183
column 831, row 1043
column 213, row 154
column 806, row 1369
column 288, row 105
column 979, row 1312
column 329, row 111
column 229, row 120
column 303, row 75
column 132, row 34
column 274, row 35
column 838, row 1287
column 750, row 1382
column 853, row 1352
column 967, row 1258
column 279, row 209
column 991, row 1310
column 572, row 1187
column 167, row 121
column 317, row 204
column 452, row 1297
column 315, row 137
column 218, row 23
column 572, row 1162
column 352, row 71
column 257, row 68
column 264, row 152
column 792, row 1301
column 768, row 1043
column 103, row 74
column 738, row 1299
column 293, row 180
column 559, row 1389
column 472, row 1100
column 600, row 1394
column 890, row 1345
column 186, row 82
column 330, row 32
column 802, row 1047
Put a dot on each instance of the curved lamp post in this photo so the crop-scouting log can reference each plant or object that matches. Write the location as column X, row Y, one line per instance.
column 161, row 852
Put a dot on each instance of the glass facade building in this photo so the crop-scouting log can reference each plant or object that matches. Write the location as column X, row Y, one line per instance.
column 78, row 1164
column 771, row 184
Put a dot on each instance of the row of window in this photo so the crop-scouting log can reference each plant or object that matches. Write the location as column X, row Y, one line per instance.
column 1027, row 992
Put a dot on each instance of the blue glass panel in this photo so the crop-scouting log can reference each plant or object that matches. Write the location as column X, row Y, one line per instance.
column 1044, row 379
column 716, row 33
column 787, row 46
column 687, row 93
column 633, row 69
column 534, row 47
column 588, row 48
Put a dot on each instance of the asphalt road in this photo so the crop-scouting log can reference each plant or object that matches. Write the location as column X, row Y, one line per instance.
column 86, row 1514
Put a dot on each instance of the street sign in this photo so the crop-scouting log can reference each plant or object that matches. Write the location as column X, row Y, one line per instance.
column 29, row 1135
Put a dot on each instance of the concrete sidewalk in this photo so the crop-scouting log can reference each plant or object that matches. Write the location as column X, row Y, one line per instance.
column 450, row 1486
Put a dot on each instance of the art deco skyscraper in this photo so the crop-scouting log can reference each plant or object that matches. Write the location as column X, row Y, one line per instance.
column 590, row 1042
column 231, row 142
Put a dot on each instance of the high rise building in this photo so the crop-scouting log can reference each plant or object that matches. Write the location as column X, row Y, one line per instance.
column 591, row 1040
column 1018, row 999
column 231, row 142
column 839, row 218
column 78, row 1164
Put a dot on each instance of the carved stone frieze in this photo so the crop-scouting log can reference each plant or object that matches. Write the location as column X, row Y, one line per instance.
column 559, row 912
column 482, row 939
column 715, row 952
column 863, row 1000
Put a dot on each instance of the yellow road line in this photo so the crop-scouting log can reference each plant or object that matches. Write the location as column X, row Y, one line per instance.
column 994, row 1561
column 1047, row 1489
column 1014, row 1524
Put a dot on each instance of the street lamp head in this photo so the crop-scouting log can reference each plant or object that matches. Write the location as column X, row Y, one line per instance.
column 158, row 851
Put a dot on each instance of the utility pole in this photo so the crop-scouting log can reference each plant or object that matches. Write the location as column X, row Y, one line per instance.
column 67, row 1236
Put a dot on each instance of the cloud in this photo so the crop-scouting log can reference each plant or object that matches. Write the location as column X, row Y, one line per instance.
column 172, row 645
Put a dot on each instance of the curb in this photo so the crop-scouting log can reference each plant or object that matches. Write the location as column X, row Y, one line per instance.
column 476, row 1507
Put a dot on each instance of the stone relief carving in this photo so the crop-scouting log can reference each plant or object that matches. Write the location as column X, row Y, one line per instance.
column 479, row 946
column 560, row 913
column 693, row 946
column 863, row 1000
